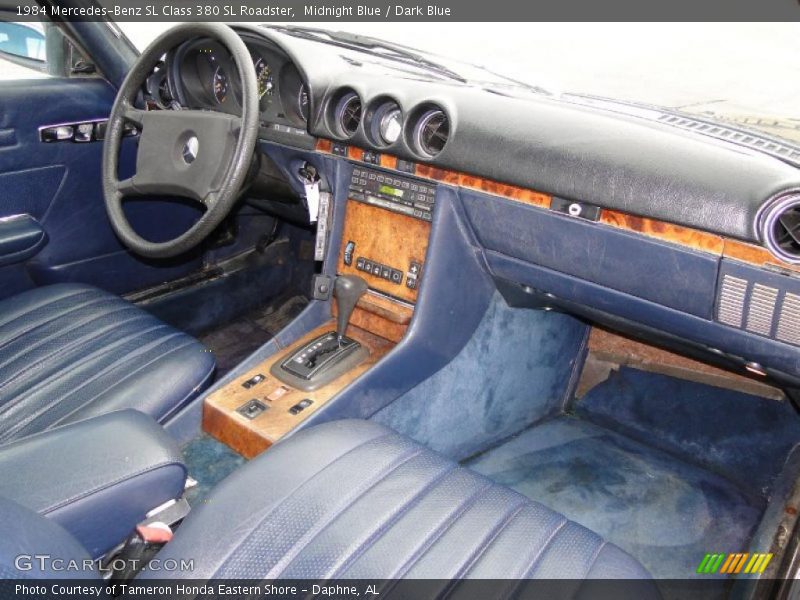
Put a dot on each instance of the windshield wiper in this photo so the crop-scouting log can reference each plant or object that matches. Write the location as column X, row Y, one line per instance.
column 354, row 41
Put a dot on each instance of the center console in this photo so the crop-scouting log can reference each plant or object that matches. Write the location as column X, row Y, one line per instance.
column 380, row 267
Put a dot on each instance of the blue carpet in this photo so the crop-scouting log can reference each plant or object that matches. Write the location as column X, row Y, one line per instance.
column 741, row 437
column 663, row 511
column 209, row 462
column 514, row 371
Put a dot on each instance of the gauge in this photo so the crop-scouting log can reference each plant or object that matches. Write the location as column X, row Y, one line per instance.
column 391, row 125
column 302, row 102
column 220, row 85
column 264, row 78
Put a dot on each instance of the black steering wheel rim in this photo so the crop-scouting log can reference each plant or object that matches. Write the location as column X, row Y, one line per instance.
column 232, row 165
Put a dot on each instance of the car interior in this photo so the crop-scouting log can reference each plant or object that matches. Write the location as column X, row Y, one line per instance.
column 329, row 311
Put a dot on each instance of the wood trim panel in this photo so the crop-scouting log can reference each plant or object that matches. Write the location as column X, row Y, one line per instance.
column 385, row 237
column 755, row 255
column 376, row 324
column 676, row 234
column 387, row 308
column 251, row 437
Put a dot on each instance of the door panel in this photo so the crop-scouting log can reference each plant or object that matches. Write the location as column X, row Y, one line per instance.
column 59, row 185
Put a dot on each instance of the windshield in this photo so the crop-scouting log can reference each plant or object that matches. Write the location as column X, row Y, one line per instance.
column 744, row 74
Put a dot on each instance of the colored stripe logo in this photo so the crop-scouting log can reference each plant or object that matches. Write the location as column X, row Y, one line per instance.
column 731, row 564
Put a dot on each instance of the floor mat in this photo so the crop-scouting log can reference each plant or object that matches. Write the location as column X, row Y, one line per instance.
column 208, row 462
column 663, row 511
column 232, row 342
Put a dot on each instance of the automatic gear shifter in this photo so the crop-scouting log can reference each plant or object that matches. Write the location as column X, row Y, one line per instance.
column 328, row 356
column 347, row 289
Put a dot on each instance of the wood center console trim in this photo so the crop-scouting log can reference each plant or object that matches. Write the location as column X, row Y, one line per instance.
column 385, row 237
column 389, row 309
column 250, row 437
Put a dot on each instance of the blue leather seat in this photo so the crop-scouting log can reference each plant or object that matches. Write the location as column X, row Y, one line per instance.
column 72, row 351
column 353, row 499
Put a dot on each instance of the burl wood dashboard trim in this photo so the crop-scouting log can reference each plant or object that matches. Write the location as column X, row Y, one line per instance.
column 250, row 437
column 755, row 255
column 701, row 241
column 385, row 237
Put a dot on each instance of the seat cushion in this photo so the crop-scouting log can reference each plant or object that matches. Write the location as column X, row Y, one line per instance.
column 353, row 499
column 71, row 351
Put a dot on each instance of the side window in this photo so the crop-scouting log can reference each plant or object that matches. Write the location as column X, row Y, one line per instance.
column 23, row 50
column 39, row 49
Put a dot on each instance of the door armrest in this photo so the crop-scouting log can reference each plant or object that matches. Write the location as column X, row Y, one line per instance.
column 21, row 237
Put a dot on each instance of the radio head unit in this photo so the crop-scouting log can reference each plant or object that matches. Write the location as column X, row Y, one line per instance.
column 405, row 195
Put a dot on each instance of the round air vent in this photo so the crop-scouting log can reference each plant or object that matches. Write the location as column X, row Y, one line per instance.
column 347, row 114
column 780, row 228
column 431, row 132
column 383, row 122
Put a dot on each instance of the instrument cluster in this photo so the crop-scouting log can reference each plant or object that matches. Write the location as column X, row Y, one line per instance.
column 201, row 74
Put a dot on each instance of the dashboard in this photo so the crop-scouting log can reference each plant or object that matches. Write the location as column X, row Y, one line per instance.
column 634, row 219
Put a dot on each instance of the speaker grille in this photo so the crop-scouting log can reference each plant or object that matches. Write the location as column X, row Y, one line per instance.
column 731, row 301
column 789, row 322
column 759, row 302
column 762, row 309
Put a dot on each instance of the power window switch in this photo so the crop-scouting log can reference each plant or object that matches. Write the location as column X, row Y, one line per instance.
column 253, row 381
column 251, row 409
column 301, row 406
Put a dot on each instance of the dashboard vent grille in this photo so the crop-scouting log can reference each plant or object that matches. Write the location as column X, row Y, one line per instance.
column 348, row 115
column 780, row 228
column 432, row 132
column 742, row 137
column 731, row 301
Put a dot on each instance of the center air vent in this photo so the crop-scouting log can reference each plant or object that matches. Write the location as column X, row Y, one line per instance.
column 347, row 114
column 780, row 228
column 431, row 132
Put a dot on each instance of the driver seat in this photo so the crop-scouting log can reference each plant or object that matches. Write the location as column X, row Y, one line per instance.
column 72, row 351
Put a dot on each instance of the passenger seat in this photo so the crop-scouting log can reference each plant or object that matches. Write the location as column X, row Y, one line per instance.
column 353, row 499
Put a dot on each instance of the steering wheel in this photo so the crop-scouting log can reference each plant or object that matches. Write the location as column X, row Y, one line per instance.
column 197, row 154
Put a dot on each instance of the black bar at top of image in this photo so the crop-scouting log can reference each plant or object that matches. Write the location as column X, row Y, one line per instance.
column 403, row 10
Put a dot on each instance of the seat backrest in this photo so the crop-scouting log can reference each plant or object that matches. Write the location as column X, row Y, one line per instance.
column 35, row 547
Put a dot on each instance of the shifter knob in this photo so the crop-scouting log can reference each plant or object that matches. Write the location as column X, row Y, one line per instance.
column 347, row 289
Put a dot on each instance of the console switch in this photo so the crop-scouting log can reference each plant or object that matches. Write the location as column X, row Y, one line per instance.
column 253, row 381
column 251, row 409
column 348, row 253
column 301, row 406
column 413, row 275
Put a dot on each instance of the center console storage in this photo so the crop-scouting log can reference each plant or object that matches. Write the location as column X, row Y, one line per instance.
column 97, row 478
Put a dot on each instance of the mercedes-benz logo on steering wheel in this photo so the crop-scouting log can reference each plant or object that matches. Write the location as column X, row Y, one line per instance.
column 190, row 149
